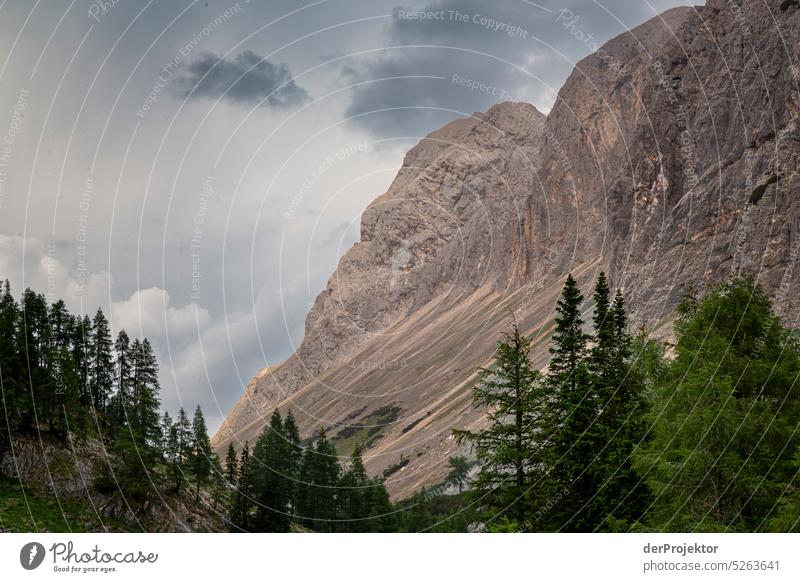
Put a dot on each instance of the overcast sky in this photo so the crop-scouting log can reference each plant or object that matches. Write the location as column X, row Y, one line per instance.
column 196, row 168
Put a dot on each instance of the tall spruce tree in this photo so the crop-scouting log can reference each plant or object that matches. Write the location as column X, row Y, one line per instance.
column 509, row 451
column 183, row 437
column 101, row 366
column 144, row 416
column 242, row 507
column 295, row 446
column 354, row 496
column 123, row 379
column 165, row 429
column 203, row 463
column 231, row 466
column 619, row 498
column 319, row 479
column 271, row 479
column 572, row 410
column 173, row 457
column 81, row 356
column 11, row 389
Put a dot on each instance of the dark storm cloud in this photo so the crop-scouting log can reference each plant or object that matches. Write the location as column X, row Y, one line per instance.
column 483, row 53
column 246, row 78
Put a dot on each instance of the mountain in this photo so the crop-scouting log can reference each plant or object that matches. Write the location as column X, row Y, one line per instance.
column 669, row 158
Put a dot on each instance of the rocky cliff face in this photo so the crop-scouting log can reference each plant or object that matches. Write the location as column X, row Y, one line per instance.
column 669, row 157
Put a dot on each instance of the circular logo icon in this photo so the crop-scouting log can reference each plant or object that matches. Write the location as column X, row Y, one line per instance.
column 31, row 555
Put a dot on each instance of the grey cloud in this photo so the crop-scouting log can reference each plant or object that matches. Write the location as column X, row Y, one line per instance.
column 246, row 78
column 511, row 49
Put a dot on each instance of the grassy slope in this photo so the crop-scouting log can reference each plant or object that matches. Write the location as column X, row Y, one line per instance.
column 23, row 511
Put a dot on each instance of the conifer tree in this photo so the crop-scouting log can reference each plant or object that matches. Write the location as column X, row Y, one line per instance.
column 231, row 466
column 725, row 415
column 354, row 496
column 81, row 354
column 123, row 379
column 319, row 478
column 459, row 470
column 243, row 497
column 383, row 517
column 61, row 325
column 203, row 460
column 165, row 429
column 183, row 436
column 571, row 414
column 293, row 438
column 271, row 479
column 34, row 329
column 101, row 365
column 144, row 417
column 11, row 390
column 619, row 498
column 173, row 457
column 509, row 451
column 295, row 451
column 33, row 339
column 9, row 317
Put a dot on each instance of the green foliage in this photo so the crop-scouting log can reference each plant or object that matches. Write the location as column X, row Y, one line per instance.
column 203, row 463
column 568, row 429
column 271, row 476
column 319, row 478
column 62, row 377
column 101, row 379
column 459, row 471
column 243, row 504
column 724, row 416
column 509, row 450
column 23, row 510
column 231, row 466
column 427, row 511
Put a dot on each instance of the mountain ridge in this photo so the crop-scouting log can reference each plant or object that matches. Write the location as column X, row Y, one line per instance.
column 640, row 169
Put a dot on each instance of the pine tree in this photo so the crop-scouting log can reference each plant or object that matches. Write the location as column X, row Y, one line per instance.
column 164, row 429
column 241, row 509
column 11, row 389
column 203, row 460
column 231, row 466
column 354, row 496
column 34, row 328
column 459, row 471
column 382, row 515
column 101, row 375
column 143, row 416
column 271, row 478
column 183, row 437
column 123, row 379
column 81, row 353
column 319, row 478
column 61, row 323
column 509, row 451
column 172, row 454
column 37, row 402
column 295, row 456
